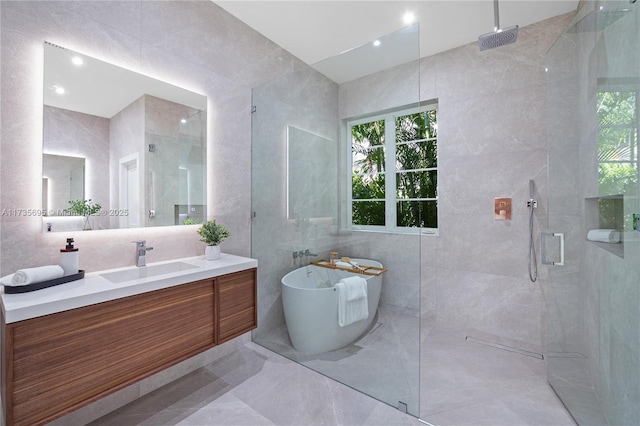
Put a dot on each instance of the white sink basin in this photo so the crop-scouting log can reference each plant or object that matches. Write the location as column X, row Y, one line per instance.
column 147, row 271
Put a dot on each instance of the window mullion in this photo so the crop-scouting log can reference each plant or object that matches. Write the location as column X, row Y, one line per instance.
column 390, row 171
column 350, row 176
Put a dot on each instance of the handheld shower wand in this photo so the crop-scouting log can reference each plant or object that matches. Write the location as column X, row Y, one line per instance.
column 533, row 261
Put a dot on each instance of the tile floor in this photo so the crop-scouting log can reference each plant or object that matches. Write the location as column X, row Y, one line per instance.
column 463, row 383
column 469, row 383
column 255, row 386
column 390, row 348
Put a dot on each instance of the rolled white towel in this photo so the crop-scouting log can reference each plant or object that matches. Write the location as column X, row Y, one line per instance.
column 36, row 275
column 6, row 280
column 604, row 236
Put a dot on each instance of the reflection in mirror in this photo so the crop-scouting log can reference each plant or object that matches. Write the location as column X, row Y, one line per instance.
column 62, row 180
column 143, row 142
column 310, row 189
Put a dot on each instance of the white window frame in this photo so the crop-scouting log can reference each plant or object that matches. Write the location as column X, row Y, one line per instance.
column 390, row 174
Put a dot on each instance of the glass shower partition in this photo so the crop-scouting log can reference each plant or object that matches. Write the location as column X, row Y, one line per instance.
column 593, row 87
column 301, row 176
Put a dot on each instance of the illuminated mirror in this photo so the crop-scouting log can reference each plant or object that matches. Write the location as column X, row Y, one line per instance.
column 143, row 144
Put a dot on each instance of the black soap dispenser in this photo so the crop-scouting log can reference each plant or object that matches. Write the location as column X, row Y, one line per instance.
column 69, row 258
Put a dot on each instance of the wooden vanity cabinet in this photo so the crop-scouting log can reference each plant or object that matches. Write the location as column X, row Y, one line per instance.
column 55, row 364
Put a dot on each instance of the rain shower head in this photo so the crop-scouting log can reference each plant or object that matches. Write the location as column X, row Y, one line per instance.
column 499, row 37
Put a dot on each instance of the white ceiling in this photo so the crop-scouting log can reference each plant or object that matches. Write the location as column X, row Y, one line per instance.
column 315, row 30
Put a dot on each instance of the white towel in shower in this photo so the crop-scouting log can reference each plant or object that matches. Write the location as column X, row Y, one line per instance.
column 353, row 304
column 604, row 235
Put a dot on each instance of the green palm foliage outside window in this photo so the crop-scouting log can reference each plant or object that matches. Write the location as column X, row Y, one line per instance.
column 368, row 178
column 396, row 178
column 617, row 141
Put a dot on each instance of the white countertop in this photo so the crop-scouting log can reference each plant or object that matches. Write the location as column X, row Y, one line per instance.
column 94, row 288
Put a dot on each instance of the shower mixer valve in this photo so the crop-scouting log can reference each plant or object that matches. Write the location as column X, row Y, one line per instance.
column 305, row 253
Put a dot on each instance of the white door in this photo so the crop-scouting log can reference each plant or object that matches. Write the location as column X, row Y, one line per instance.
column 129, row 210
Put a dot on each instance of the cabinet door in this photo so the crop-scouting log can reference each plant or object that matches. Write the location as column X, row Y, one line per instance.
column 60, row 362
column 236, row 299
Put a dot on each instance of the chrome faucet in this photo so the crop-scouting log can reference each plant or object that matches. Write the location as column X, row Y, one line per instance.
column 141, row 251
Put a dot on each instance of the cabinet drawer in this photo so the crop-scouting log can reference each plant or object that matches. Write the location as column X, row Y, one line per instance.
column 236, row 298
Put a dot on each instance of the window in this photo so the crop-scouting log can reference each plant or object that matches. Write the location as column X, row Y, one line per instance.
column 617, row 141
column 394, row 176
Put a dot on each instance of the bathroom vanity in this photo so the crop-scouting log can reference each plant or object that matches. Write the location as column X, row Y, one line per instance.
column 67, row 346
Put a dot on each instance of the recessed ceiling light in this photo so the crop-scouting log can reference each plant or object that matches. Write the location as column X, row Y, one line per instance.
column 409, row 18
column 77, row 60
column 59, row 90
column 376, row 43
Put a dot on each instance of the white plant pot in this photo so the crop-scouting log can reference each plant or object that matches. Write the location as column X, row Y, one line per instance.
column 212, row 252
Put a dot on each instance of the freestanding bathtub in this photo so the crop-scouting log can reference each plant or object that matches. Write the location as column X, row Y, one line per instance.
column 310, row 303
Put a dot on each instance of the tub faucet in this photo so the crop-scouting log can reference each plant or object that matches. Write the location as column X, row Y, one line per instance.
column 141, row 251
column 302, row 254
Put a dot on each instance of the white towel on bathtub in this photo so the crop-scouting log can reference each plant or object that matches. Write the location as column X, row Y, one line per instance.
column 353, row 304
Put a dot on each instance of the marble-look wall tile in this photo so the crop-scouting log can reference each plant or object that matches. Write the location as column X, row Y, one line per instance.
column 231, row 49
column 494, row 304
column 469, row 184
column 393, row 88
column 466, row 72
column 400, row 254
column 122, row 15
column 428, row 280
column 504, row 122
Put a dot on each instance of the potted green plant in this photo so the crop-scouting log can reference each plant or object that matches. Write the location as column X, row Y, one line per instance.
column 84, row 208
column 212, row 234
